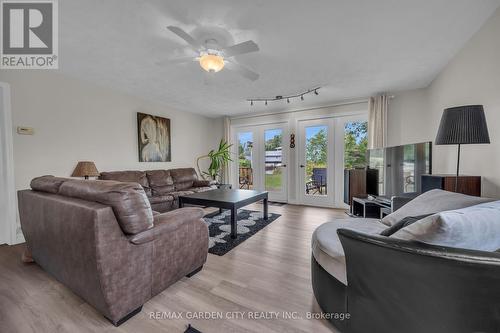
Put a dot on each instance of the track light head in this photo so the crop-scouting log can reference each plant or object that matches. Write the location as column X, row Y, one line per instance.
column 251, row 103
column 266, row 102
column 316, row 92
column 301, row 97
column 288, row 100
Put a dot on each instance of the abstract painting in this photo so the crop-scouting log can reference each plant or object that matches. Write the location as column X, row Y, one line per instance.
column 154, row 138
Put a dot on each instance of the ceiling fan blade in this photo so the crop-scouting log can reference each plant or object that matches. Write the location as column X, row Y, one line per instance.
column 183, row 60
column 241, row 48
column 184, row 35
column 245, row 72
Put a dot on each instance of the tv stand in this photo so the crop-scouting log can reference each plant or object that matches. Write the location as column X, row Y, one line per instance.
column 369, row 208
column 377, row 207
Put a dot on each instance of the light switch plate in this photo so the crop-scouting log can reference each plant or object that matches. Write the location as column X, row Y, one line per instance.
column 25, row 130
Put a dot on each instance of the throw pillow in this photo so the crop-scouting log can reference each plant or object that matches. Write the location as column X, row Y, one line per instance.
column 432, row 202
column 401, row 224
column 475, row 228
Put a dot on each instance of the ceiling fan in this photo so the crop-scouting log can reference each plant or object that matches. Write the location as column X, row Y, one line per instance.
column 212, row 58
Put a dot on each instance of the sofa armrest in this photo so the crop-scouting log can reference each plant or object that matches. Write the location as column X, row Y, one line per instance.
column 203, row 183
column 166, row 223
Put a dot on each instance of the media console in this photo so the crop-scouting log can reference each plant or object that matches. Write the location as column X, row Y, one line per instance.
column 368, row 208
column 376, row 208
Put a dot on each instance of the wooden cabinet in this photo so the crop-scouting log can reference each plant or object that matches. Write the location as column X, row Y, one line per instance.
column 359, row 183
column 470, row 185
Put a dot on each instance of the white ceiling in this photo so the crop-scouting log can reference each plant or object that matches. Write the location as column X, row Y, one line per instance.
column 353, row 48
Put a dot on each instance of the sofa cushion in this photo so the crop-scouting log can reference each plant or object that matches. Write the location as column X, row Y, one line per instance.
column 128, row 177
column 432, row 202
column 128, row 200
column 161, row 181
column 200, row 189
column 326, row 246
column 161, row 198
column 183, row 178
column 401, row 224
column 48, row 184
column 176, row 194
column 475, row 228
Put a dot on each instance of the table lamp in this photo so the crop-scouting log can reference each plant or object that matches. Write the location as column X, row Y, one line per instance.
column 85, row 169
column 462, row 125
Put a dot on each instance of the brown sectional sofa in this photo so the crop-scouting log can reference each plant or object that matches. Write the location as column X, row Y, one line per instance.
column 102, row 240
column 163, row 187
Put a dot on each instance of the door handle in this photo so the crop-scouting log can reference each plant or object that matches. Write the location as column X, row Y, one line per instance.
column 283, row 165
column 302, row 166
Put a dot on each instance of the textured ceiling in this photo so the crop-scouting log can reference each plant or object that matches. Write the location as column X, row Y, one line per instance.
column 352, row 48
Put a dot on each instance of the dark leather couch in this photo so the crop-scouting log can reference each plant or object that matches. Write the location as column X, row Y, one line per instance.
column 102, row 240
column 163, row 187
column 402, row 286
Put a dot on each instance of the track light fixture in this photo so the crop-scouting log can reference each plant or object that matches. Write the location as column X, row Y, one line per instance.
column 282, row 97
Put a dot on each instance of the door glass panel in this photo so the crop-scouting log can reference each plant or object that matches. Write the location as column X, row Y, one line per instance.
column 355, row 144
column 273, row 159
column 245, row 151
column 316, row 157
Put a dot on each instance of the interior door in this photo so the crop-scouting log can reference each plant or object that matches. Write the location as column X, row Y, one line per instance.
column 316, row 162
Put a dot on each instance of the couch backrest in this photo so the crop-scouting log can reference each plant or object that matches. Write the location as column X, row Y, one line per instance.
column 160, row 181
column 432, row 202
column 156, row 182
column 128, row 200
column 183, row 178
column 139, row 177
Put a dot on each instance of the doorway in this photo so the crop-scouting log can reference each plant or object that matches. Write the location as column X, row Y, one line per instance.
column 262, row 159
column 7, row 190
column 326, row 147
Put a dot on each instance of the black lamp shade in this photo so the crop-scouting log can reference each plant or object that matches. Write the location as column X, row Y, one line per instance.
column 463, row 125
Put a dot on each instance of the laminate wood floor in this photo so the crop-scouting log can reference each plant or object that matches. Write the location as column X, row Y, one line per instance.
column 270, row 272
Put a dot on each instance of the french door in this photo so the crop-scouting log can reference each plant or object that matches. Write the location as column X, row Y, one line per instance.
column 316, row 162
column 326, row 147
column 262, row 159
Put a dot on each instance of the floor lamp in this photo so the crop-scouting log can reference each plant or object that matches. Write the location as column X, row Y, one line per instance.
column 462, row 125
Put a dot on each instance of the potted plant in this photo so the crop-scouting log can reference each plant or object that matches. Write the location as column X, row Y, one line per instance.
column 218, row 160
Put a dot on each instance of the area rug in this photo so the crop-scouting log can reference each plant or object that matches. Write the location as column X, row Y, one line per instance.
column 219, row 226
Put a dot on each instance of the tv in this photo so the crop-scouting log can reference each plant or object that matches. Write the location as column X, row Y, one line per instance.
column 399, row 170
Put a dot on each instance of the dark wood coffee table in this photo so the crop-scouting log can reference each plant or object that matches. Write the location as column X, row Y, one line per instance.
column 226, row 199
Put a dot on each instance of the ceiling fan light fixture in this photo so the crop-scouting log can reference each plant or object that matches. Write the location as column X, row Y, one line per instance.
column 212, row 62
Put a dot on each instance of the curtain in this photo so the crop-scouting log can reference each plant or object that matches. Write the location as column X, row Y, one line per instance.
column 377, row 121
column 226, row 174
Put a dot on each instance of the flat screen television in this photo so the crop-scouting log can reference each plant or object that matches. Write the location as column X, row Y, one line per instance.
column 399, row 169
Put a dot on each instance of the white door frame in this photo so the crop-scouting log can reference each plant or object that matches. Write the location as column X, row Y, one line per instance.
column 283, row 195
column 336, row 128
column 316, row 200
column 258, row 156
column 8, row 224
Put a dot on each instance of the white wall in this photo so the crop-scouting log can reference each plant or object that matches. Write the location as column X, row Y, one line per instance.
column 76, row 120
column 472, row 77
